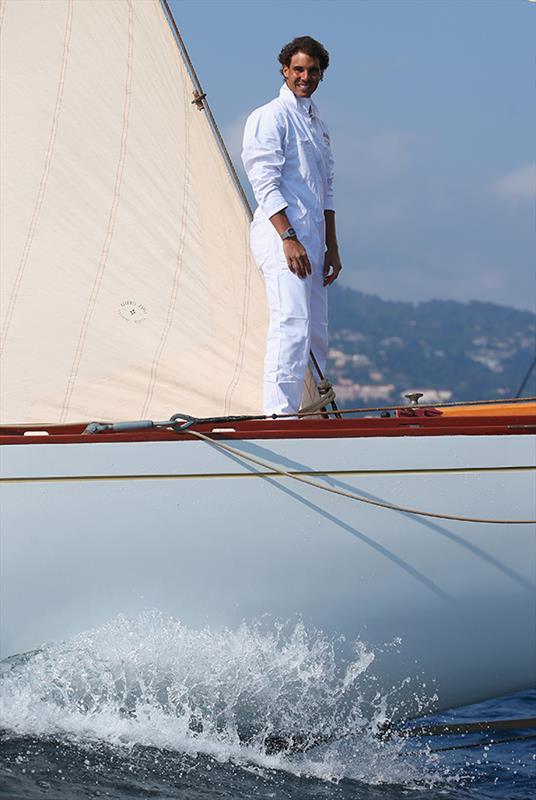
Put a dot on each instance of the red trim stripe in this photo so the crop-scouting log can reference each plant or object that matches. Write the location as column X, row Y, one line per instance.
column 288, row 429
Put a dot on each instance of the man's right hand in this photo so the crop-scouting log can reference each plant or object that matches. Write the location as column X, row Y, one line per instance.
column 297, row 258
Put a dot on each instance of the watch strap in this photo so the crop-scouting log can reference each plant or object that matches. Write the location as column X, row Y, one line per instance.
column 290, row 233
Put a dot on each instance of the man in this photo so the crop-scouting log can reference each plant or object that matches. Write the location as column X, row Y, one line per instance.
column 288, row 161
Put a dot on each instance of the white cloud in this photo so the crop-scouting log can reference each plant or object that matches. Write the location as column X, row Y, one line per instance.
column 520, row 184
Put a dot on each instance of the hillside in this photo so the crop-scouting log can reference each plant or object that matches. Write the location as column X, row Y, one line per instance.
column 381, row 349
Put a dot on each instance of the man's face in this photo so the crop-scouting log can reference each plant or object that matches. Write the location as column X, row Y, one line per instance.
column 302, row 75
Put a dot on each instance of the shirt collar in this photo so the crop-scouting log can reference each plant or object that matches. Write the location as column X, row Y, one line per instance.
column 302, row 104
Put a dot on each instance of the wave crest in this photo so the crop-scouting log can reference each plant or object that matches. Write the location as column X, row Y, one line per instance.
column 152, row 681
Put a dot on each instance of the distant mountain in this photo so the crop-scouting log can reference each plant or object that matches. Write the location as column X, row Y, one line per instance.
column 381, row 349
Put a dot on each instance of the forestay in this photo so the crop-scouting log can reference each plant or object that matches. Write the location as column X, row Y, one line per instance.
column 128, row 286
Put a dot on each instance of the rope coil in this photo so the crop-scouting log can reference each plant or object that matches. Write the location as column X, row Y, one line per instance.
column 327, row 395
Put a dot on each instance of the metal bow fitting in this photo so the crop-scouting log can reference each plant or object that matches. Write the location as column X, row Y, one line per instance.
column 143, row 425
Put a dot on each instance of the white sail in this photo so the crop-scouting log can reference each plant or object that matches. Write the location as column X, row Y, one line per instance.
column 128, row 288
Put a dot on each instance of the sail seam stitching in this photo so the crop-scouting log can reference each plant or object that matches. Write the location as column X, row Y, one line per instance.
column 44, row 179
column 179, row 262
column 242, row 340
column 110, row 225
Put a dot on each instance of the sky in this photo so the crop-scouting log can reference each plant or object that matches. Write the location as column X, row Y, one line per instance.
column 431, row 106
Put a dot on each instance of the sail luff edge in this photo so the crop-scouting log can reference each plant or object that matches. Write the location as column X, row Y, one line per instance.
column 205, row 107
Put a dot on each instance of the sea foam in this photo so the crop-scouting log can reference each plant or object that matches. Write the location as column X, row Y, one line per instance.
column 228, row 694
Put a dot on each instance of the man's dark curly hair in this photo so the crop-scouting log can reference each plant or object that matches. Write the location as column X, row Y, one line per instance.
column 307, row 45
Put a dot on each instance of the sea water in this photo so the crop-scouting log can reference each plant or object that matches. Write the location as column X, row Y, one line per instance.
column 148, row 708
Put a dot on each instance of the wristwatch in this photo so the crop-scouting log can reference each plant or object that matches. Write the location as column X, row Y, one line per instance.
column 290, row 233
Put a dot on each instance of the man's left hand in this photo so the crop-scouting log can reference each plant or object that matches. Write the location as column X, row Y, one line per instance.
column 332, row 265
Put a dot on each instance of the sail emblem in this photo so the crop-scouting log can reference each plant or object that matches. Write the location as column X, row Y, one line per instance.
column 132, row 311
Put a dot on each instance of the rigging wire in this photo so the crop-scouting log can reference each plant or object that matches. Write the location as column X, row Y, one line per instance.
column 456, row 404
column 525, row 379
column 347, row 411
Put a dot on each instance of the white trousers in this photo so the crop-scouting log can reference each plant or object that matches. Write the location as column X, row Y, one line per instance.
column 298, row 313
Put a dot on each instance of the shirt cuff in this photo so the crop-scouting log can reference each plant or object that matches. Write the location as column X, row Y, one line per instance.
column 273, row 203
column 329, row 202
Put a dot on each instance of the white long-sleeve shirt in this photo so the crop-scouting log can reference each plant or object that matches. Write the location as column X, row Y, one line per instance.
column 287, row 158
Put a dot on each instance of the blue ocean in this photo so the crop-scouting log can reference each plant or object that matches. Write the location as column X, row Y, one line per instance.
column 147, row 708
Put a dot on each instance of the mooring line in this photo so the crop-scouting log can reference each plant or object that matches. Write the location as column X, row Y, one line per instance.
column 351, row 495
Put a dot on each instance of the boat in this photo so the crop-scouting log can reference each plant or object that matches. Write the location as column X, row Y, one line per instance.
column 137, row 471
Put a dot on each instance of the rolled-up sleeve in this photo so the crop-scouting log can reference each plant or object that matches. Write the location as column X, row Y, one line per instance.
column 263, row 156
column 329, row 200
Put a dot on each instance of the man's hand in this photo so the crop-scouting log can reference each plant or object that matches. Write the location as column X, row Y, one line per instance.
column 297, row 258
column 332, row 265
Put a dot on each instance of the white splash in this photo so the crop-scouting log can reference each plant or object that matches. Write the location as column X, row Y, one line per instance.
column 153, row 682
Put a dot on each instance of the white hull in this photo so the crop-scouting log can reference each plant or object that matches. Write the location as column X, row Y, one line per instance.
column 96, row 529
